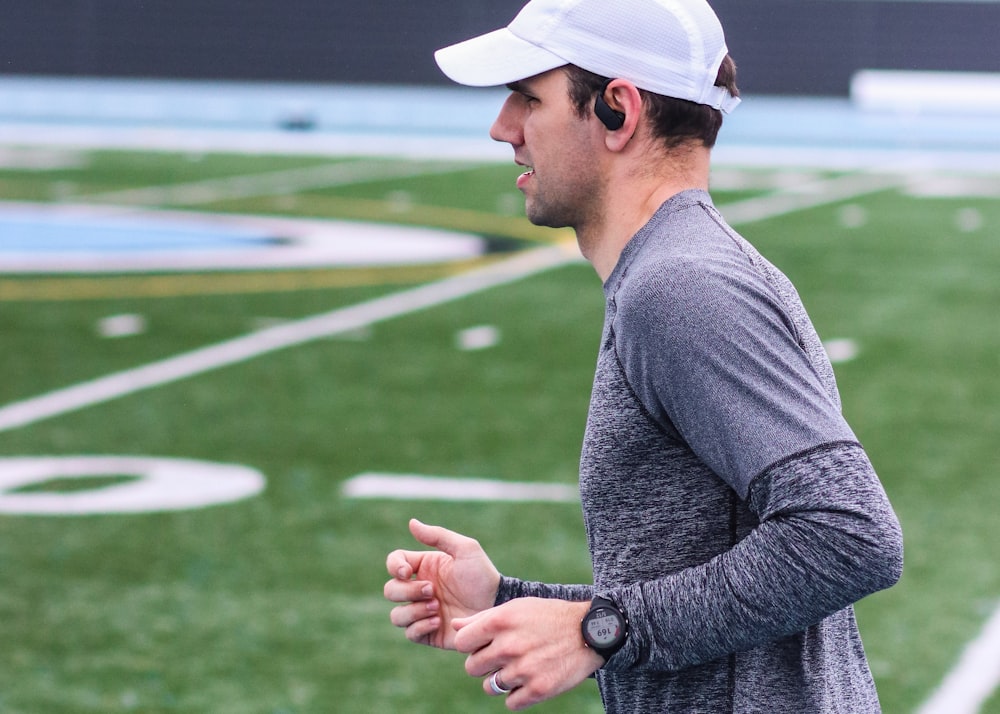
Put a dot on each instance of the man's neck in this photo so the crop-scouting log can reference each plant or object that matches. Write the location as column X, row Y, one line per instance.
column 602, row 245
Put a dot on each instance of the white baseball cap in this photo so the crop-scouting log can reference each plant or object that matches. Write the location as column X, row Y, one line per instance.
column 668, row 47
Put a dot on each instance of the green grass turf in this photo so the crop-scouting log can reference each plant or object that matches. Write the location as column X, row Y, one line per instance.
column 100, row 171
column 274, row 604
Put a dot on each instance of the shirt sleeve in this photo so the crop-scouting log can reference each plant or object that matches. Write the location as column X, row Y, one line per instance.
column 511, row 588
column 827, row 537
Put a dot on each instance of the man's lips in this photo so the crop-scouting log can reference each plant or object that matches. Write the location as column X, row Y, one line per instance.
column 524, row 178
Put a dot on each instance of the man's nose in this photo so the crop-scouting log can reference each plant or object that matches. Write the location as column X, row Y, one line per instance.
column 507, row 126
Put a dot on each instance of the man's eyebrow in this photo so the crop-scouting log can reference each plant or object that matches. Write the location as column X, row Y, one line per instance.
column 519, row 86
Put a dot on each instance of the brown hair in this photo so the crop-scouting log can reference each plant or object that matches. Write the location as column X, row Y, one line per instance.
column 675, row 121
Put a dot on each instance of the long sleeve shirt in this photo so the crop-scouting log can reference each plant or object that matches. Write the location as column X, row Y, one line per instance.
column 730, row 510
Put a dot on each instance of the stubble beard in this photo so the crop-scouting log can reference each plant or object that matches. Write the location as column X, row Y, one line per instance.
column 574, row 208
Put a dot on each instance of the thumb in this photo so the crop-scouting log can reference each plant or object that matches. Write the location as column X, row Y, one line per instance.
column 450, row 542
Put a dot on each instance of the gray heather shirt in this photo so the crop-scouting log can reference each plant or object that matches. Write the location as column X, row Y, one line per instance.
column 729, row 509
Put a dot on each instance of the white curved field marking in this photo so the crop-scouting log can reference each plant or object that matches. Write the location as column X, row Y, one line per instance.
column 159, row 485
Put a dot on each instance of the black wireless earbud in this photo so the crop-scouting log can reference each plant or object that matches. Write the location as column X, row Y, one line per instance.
column 608, row 116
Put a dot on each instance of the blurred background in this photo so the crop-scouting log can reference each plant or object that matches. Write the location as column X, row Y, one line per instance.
column 810, row 47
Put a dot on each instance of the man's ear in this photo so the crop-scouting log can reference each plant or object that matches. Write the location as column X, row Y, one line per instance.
column 612, row 119
column 620, row 103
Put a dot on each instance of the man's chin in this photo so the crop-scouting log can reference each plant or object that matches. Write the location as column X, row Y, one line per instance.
column 545, row 220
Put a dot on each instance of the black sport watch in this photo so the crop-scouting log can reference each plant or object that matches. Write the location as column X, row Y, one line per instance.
column 604, row 627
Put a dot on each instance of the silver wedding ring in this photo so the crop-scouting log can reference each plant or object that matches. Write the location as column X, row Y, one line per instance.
column 496, row 685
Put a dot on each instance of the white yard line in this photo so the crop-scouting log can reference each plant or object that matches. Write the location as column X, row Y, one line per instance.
column 974, row 679
column 241, row 349
column 412, row 487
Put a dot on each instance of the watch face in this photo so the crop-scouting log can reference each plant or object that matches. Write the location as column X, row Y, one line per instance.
column 603, row 627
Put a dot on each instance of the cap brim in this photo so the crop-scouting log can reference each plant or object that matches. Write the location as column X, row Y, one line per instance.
column 494, row 59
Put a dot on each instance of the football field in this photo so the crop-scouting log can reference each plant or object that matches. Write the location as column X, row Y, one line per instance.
column 315, row 408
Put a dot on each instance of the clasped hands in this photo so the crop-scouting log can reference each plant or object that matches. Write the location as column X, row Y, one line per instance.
column 447, row 598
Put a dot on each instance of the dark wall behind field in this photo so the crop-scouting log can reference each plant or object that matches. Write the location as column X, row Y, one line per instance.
column 781, row 46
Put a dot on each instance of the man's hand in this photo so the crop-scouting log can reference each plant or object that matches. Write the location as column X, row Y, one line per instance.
column 455, row 581
column 534, row 643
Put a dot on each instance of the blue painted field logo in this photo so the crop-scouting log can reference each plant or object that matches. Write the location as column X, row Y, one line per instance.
column 87, row 485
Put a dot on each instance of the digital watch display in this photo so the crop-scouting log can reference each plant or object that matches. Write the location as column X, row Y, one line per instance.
column 604, row 627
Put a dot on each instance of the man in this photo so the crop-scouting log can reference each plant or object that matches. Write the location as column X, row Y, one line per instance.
column 731, row 514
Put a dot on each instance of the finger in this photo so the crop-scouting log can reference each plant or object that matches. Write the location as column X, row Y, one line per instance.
column 397, row 564
column 422, row 631
column 520, row 699
column 403, row 564
column 503, row 681
column 408, row 590
column 406, row 615
column 450, row 542
column 473, row 633
column 482, row 663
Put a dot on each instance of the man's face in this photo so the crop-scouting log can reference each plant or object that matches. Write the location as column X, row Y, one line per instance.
column 564, row 185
